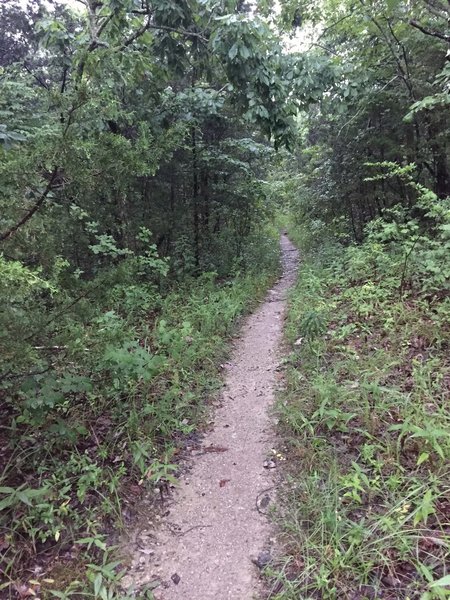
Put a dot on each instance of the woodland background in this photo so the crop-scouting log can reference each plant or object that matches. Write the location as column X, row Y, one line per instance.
column 149, row 153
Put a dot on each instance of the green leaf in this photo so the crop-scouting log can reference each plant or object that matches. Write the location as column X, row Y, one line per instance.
column 84, row 541
column 244, row 52
column 232, row 52
column 442, row 582
column 99, row 544
column 23, row 497
column 422, row 458
column 98, row 583
column 7, row 502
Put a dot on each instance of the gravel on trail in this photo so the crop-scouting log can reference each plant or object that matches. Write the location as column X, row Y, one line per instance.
column 215, row 536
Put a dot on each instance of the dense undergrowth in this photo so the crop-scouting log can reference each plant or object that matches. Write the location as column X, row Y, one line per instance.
column 84, row 437
column 364, row 415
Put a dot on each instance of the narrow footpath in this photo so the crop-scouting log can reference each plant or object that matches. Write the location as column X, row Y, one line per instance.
column 216, row 524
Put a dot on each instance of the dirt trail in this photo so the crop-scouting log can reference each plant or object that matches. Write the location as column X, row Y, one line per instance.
column 204, row 547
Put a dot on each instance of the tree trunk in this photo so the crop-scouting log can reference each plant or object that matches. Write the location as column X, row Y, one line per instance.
column 195, row 199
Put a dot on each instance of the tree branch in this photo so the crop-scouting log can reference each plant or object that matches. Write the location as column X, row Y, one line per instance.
column 135, row 35
column 105, row 22
column 312, row 44
column 41, row 82
column 438, row 8
column 334, row 25
column 12, row 230
column 148, row 25
column 400, row 67
column 184, row 32
column 432, row 32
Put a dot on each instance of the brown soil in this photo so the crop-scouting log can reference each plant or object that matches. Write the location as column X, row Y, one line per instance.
column 215, row 526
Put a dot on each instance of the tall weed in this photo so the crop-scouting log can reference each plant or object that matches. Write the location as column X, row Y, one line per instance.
column 364, row 416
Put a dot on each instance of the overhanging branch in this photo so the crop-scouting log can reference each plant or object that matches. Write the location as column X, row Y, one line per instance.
column 432, row 32
column 12, row 230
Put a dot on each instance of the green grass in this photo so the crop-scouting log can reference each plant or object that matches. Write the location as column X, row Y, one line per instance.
column 107, row 422
column 365, row 423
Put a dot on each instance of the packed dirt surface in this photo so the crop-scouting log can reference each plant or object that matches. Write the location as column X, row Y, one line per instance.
column 215, row 535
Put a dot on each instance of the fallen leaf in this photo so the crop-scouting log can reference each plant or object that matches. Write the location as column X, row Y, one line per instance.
column 24, row 591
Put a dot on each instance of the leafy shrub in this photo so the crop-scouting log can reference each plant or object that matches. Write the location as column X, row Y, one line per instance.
column 364, row 415
column 124, row 368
